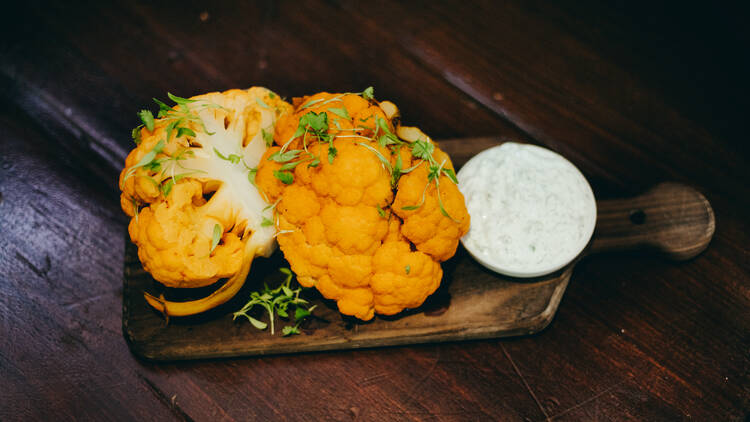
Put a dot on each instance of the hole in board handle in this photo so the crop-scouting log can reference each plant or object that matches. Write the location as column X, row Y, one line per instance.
column 637, row 217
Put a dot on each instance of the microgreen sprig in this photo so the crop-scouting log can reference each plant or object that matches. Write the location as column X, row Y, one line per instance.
column 317, row 124
column 423, row 150
column 278, row 301
column 216, row 236
column 388, row 137
column 232, row 158
column 367, row 94
column 177, row 123
column 312, row 123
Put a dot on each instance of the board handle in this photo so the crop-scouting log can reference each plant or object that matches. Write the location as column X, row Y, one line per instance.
column 672, row 218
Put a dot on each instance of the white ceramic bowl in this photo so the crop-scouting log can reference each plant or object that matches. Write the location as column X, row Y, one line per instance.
column 579, row 196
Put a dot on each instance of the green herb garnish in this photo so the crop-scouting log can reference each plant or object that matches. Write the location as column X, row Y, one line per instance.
column 251, row 173
column 216, row 236
column 146, row 160
column 423, row 149
column 367, row 94
column 286, row 177
column 267, row 137
column 339, row 111
column 147, row 118
column 278, row 302
column 283, row 157
column 232, row 158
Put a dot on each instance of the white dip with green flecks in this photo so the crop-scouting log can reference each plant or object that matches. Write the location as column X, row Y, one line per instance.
column 532, row 211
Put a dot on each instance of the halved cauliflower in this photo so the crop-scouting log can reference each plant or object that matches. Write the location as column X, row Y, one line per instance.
column 197, row 216
column 364, row 215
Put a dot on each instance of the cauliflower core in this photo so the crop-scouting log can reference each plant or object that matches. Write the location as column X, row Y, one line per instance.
column 362, row 215
column 197, row 216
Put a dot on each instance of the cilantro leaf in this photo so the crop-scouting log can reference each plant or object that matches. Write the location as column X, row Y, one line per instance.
column 340, row 111
column 267, row 137
column 414, row 207
column 147, row 118
column 283, row 157
column 289, row 330
column 136, row 134
column 397, row 169
column 278, row 302
column 179, row 100
column 257, row 324
column 147, row 159
column 301, row 313
column 163, row 108
column 286, row 177
column 216, row 237
column 318, row 122
column 167, row 187
column 289, row 166
column 382, row 125
column 311, row 102
column 170, row 127
column 232, row 158
column 381, row 212
column 182, row 131
column 367, row 94
column 451, row 175
column 433, row 173
column 423, row 149
column 332, row 152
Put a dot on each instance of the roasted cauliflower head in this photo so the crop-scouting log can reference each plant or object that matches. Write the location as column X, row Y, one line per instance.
column 188, row 186
column 366, row 209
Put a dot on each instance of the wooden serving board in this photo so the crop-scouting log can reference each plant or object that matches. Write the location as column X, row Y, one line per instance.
column 472, row 302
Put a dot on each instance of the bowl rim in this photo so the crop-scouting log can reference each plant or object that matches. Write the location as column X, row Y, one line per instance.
column 554, row 265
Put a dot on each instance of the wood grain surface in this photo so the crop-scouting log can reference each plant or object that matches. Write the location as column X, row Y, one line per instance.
column 633, row 93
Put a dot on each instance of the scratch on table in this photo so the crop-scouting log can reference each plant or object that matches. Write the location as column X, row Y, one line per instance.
column 588, row 400
column 373, row 379
column 209, row 399
column 41, row 272
column 159, row 394
column 78, row 303
column 412, row 393
column 518, row 372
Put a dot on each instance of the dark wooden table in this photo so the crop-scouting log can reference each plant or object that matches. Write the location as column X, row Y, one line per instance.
column 633, row 94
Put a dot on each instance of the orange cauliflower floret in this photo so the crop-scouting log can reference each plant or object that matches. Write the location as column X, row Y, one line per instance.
column 335, row 174
column 175, row 239
column 427, row 227
column 188, row 186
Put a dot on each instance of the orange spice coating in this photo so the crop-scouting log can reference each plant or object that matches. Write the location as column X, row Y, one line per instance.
column 341, row 223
